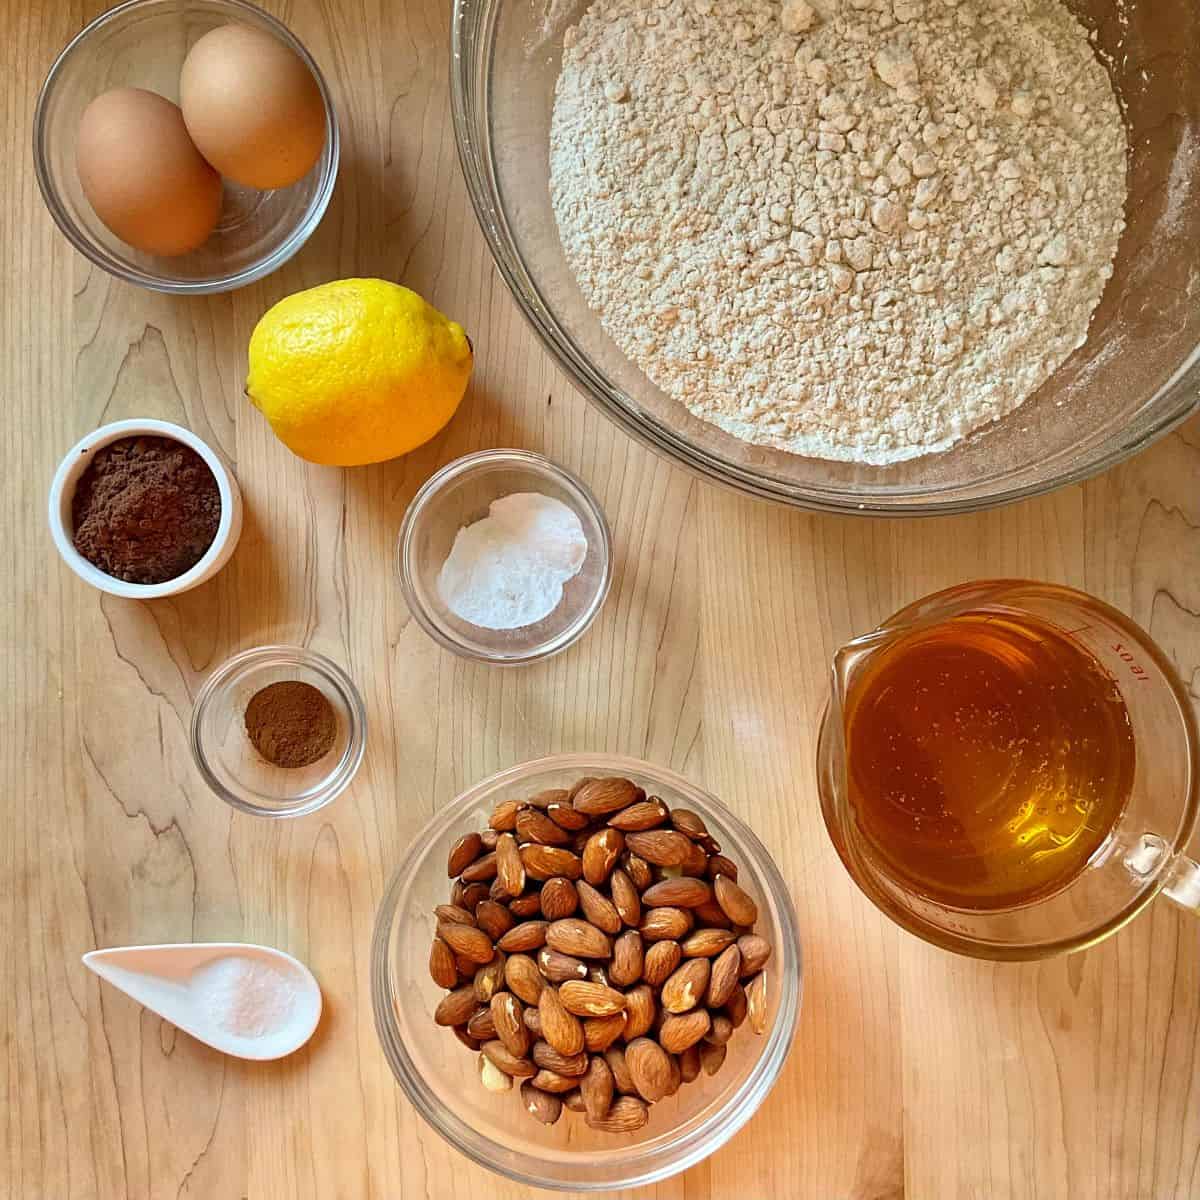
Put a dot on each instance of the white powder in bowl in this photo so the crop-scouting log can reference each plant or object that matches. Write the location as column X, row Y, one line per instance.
column 243, row 996
column 508, row 570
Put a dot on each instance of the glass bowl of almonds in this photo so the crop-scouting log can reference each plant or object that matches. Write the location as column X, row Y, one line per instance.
column 586, row 973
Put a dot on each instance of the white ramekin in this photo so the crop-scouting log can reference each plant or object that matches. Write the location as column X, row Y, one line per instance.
column 62, row 492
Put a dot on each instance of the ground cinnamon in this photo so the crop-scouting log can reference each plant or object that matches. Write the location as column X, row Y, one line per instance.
column 146, row 509
column 291, row 724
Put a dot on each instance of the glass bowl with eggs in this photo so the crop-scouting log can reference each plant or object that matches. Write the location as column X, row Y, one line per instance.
column 186, row 146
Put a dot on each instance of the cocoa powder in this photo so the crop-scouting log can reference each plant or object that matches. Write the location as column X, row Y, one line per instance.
column 145, row 510
column 291, row 724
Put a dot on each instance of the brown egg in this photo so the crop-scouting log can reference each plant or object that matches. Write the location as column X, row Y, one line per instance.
column 252, row 107
column 142, row 174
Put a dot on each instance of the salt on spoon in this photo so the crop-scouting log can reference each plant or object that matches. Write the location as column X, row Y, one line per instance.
column 248, row 1001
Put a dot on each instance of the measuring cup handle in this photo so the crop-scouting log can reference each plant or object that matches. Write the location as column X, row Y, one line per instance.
column 1183, row 884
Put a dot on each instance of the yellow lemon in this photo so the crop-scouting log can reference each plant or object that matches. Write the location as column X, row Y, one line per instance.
column 357, row 371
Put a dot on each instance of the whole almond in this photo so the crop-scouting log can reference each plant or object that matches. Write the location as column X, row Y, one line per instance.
column 661, row 924
column 488, row 838
column 600, row 854
column 498, row 893
column 543, row 800
column 465, row 967
column 481, row 870
column 711, row 915
column 535, row 826
column 646, row 814
column 457, row 888
column 712, row 1057
column 510, row 1028
column 472, row 895
column 600, row 1032
column 522, row 938
column 680, row 1032
column 756, row 1002
column 544, row 862
column 598, row 909
column 648, row 1068
column 504, row 815
column 466, row 940
column 718, row 864
column 533, row 1020
column 599, row 797
column 638, row 870
column 559, row 1027
column 481, row 1026
column 662, row 847
column 442, row 970
column 549, row 1059
column 552, row 1081
column 625, row 897
column 686, row 986
column 463, row 853
column 577, row 938
column 559, row 898
column 492, row 1078
column 460, row 1032
column 455, row 914
column 726, row 968
column 676, row 1078
column 573, row 1102
column 687, row 822
column 756, row 952
column 622, row 1080
column 627, row 1114
column 523, row 978
column 510, row 870
column 489, row 979
column 597, row 1088
column 494, row 919
column 627, row 960
column 525, row 906
column 456, row 1007
column 737, row 1005
column 706, row 943
column 586, row 999
column 558, row 967
column 661, row 959
column 683, row 892
column 541, row 1105
column 640, row 1010
column 721, row 1030
column 689, row 1064
column 567, row 816
column 738, row 906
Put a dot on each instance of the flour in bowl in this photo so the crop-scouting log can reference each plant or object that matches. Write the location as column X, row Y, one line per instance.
column 853, row 229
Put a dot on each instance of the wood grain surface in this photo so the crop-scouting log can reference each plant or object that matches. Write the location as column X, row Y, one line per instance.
column 915, row 1074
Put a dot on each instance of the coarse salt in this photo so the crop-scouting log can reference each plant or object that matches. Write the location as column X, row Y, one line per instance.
column 243, row 996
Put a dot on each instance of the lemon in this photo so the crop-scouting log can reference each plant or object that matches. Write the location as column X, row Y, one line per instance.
column 357, row 371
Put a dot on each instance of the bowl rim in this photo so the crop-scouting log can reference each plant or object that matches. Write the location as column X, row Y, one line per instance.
column 75, row 462
column 341, row 774
column 721, row 1125
column 216, row 283
column 456, row 470
column 469, row 74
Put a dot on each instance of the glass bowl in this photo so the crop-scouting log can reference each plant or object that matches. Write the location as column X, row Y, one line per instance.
column 458, row 495
column 143, row 44
column 440, row 1076
column 1136, row 377
column 227, row 759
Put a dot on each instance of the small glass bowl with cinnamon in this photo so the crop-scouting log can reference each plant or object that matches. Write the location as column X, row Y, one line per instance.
column 278, row 731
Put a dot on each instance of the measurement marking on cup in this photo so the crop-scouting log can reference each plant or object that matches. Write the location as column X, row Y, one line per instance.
column 1135, row 669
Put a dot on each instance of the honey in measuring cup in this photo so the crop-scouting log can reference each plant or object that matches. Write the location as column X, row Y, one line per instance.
column 988, row 758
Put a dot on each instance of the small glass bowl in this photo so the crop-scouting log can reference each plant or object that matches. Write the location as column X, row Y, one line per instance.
column 228, row 760
column 143, row 44
column 441, row 1077
column 458, row 495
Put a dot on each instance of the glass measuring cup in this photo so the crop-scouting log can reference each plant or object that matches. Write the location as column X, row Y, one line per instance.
column 1143, row 853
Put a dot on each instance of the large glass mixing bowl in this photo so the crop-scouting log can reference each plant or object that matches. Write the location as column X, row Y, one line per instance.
column 1137, row 376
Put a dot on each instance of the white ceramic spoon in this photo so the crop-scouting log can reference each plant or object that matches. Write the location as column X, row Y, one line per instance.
column 168, row 980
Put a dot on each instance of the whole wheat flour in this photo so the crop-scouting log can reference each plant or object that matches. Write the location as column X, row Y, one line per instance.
column 855, row 229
